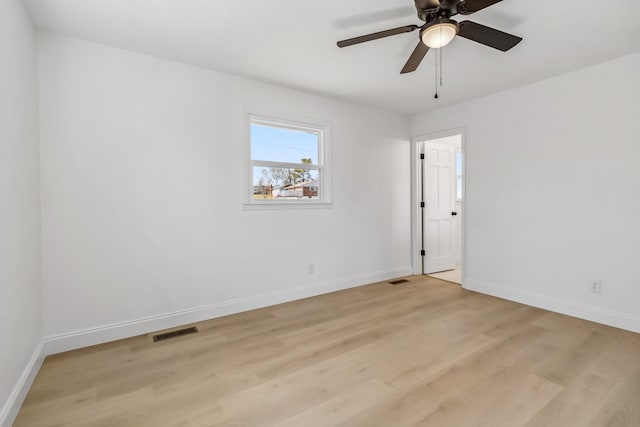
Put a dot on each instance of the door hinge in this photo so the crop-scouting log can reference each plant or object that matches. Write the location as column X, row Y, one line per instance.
column 423, row 252
column 422, row 204
column 421, row 156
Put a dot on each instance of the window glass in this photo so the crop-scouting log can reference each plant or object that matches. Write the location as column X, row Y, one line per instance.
column 458, row 176
column 276, row 183
column 280, row 144
column 287, row 163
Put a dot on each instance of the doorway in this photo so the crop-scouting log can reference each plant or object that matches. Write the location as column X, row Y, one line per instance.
column 439, row 197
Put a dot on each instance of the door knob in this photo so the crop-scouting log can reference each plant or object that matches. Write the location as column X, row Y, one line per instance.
column 454, row 213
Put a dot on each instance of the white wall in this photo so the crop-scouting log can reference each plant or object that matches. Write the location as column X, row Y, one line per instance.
column 143, row 165
column 20, row 286
column 553, row 191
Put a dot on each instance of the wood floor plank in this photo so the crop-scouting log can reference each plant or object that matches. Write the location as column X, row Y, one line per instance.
column 622, row 407
column 507, row 399
column 426, row 352
column 342, row 406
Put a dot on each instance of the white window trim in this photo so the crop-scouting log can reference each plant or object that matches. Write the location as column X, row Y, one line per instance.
column 323, row 128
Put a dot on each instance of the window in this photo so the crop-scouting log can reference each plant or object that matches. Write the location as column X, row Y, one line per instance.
column 458, row 176
column 288, row 162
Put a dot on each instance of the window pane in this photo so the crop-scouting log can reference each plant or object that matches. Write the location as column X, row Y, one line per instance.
column 459, row 175
column 283, row 145
column 285, row 183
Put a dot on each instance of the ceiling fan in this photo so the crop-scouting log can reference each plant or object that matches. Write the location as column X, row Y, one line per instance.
column 439, row 29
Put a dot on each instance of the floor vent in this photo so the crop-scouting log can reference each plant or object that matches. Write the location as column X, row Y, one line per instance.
column 399, row 281
column 173, row 334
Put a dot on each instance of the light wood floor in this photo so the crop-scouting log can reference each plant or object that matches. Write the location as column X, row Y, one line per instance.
column 454, row 276
column 422, row 353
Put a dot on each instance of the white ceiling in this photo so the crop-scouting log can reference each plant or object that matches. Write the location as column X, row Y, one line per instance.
column 292, row 42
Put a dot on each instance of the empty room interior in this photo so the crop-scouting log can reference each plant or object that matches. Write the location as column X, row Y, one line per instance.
column 291, row 213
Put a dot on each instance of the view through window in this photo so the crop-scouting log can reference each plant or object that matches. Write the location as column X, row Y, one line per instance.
column 286, row 161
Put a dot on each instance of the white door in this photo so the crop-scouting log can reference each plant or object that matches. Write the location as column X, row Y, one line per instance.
column 439, row 179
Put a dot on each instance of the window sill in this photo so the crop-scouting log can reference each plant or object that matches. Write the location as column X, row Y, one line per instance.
column 286, row 205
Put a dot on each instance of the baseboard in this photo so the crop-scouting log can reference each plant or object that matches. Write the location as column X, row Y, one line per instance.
column 625, row 321
column 16, row 398
column 116, row 331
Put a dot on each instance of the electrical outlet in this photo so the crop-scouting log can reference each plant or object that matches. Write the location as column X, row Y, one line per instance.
column 596, row 286
column 311, row 269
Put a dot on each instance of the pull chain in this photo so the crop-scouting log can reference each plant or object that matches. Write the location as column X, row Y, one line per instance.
column 441, row 49
column 440, row 55
column 436, row 76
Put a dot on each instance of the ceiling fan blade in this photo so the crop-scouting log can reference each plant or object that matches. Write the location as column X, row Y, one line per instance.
column 378, row 35
column 470, row 6
column 488, row 36
column 416, row 58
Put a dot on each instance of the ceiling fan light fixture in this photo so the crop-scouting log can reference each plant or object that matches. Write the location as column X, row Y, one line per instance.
column 439, row 33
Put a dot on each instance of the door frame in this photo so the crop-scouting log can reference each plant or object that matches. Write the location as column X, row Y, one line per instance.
column 416, row 224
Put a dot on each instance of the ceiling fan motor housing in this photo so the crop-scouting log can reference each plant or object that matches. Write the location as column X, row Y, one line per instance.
column 431, row 9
